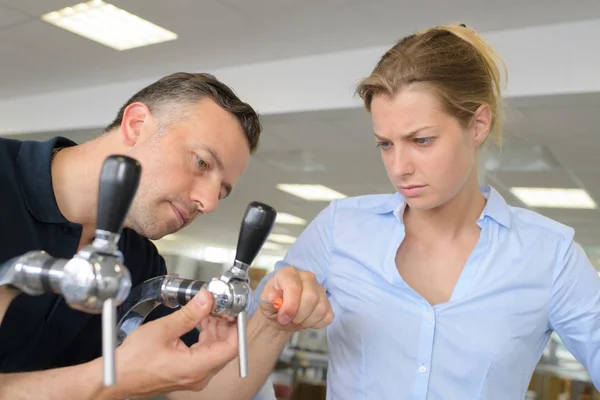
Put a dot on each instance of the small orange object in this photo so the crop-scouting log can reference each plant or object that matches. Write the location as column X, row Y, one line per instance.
column 277, row 303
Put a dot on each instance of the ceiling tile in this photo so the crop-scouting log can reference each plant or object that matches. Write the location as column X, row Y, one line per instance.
column 590, row 180
column 573, row 123
column 235, row 32
column 482, row 15
column 193, row 21
column 573, row 217
column 579, row 154
column 10, row 16
column 270, row 141
column 310, row 21
column 316, row 134
column 36, row 8
column 552, row 179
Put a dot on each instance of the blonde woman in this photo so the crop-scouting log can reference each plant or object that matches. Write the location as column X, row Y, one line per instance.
column 442, row 290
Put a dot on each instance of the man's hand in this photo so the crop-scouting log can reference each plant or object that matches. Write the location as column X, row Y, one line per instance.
column 305, row 303
column 153, row 360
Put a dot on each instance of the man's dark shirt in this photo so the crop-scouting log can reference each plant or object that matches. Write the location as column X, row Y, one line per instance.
column 41, row 332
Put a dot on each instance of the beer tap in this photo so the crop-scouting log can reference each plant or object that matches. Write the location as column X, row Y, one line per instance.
column 231, row 291
column 95, row 280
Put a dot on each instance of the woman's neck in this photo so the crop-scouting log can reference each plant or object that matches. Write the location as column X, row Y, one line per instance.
column 450, row 220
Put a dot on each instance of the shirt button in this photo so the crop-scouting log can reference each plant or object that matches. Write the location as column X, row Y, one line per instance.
column 422, row 369
column 429, row 314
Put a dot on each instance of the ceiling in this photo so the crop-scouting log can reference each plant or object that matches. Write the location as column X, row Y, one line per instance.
column 39, row 58
column 332, row 147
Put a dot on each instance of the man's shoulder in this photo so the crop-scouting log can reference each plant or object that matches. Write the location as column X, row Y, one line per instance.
column 8, row 142
column 14, row 151
column 9, row 150
column 141, row 256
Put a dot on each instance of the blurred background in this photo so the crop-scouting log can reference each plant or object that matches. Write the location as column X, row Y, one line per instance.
column 297, row 62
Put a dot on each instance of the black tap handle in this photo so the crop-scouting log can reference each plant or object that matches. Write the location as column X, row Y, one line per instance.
column 119, row 181
column 256, row 227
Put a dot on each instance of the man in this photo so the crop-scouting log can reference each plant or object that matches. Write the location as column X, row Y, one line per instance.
column 193, row 137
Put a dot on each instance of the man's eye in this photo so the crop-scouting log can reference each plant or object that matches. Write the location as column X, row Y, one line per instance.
column 201, row 163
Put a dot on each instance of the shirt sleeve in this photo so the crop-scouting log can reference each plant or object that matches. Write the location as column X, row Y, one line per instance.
column 310, row 252
column 575, row 308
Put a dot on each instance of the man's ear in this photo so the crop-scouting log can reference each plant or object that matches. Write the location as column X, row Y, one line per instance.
column 134, row 116
column 481, row 123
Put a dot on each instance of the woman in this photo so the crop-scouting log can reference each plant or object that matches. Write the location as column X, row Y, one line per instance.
column 442, row 290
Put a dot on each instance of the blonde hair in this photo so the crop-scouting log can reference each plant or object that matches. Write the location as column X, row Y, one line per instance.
column 453, row 60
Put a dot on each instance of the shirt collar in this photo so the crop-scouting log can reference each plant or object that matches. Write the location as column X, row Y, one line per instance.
column 495, row 208
column 35, row 177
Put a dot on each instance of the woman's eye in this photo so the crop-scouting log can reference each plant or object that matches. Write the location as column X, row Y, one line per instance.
column 383, row 145
column 423, row 141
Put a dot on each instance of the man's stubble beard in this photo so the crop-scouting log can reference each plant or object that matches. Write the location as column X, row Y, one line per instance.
column 144, row 217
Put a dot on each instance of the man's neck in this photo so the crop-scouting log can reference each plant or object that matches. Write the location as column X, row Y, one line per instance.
column 449, row 221
column 75, row 175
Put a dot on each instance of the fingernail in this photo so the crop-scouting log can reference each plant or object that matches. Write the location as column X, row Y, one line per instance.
column 284, row 319
column 200, row 299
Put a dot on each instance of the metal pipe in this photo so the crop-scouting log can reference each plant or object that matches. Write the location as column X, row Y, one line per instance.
column 109, row 341
column 242, row 323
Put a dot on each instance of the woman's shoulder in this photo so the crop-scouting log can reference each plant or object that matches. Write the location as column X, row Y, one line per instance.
column 536, row 222
column 523, row 221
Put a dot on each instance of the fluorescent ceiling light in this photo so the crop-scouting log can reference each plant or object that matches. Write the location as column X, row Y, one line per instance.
column 284, row 218
column 108, row 25
column 271, row 246
column 311, row 192
column 554, row 197
column 280, row 238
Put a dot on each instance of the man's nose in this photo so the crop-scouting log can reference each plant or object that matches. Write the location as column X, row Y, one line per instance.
column 206, row 195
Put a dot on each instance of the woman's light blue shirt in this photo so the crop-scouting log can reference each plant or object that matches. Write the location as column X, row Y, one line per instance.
column 525, row 278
